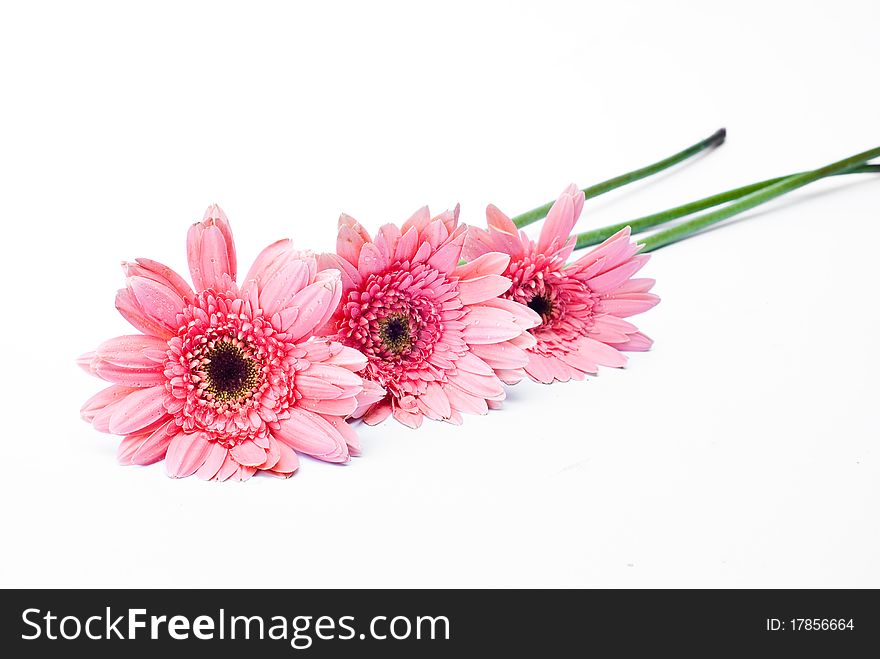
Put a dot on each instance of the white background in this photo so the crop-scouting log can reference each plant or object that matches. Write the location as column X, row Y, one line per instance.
column 741, row 451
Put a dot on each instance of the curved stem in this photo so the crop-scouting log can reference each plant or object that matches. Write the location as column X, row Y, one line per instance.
column 686, row 229
column 596, row 236
column 716, row 139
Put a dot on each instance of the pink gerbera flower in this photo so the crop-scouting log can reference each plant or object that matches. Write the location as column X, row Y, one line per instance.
column 582, row 305
column 436, row 335
column 224, row 382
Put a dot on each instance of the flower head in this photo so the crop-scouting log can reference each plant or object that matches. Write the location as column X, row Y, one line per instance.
column 436, row 335
column 583, row 304
column 225, row 381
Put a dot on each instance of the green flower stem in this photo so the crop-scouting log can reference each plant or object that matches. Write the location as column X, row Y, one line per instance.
column 686, row 229
column 716, row 139
column 596, row 236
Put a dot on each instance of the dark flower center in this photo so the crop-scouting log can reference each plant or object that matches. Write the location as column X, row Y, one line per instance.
column 394, row 333
column 541, row 305
column 231, row 373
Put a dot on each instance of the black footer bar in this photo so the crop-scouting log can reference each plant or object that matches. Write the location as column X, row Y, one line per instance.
column 428, row 623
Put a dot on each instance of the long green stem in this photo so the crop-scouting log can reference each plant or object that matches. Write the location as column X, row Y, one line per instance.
column 682, row 231
column 596, row 236
column 716, row 139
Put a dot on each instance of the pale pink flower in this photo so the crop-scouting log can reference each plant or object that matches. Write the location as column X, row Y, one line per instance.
column 436, row 335
column 583, row 304
column 226, row 381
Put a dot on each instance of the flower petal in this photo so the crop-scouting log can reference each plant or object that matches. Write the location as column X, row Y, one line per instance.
column 351, row 278
column 579, row 361
column 642, row 285
column 335, row 375
column 547, row 369
column 465, row 402
column 335, row 407
column 629, row 304
column 129, row 376
column 186, row 453
column 315, row 303
column 228, row 469
column 499, row 221
column 347, row 432
column 138, row 410
column 486, row 386
column 371, row 393
column 249, row 454
column 487, row 325
column 105, row 401
column 410, row 419
column 214, row 259
column 371, row 261
column 135, row 350
column 129, row 309
column 491, row 263
column 211, row 251
column 478, row 243
column 602, row 354
column 273, row 454
column 419, row 220
column 288, row 462
column 561, row 219
column 350, row 240
column 267, row 263
column 155, row 445
column 521, row 314
column 160, row 273
column 483, row 288
column 133, row 361
column 446, row 258
column 309, row 433
column 407, row 245
column 127, row 447
column 376, row 413
column 503, row 234
column 502, row 355
column 283, row 284
column 434, row 399
column 612, row 279
column 216, row 457
column 636, row 342
column 346, row 357
column 386, row 240
column 216, row 215
column 160, row 303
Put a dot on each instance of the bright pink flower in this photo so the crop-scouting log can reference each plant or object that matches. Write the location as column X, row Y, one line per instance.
column 224, row 382
column 582, row 305
column 436, row 335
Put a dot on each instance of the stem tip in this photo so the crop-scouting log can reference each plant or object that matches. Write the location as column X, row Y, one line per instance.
column 719, row 137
